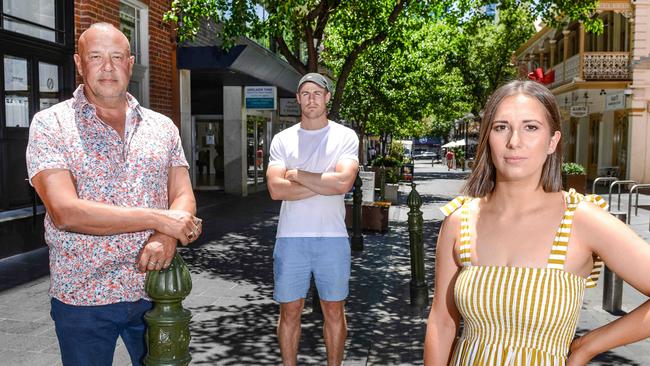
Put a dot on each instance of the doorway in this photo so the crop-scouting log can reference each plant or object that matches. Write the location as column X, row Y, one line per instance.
column 207, row 157
column 256, row 149
column 592, row 152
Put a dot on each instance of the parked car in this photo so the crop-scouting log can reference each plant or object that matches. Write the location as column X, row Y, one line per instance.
column 426, row 155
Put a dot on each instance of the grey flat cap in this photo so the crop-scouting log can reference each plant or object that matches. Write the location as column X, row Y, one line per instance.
column 315, row 78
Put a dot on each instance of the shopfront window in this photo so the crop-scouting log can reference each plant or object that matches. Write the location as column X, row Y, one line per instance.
column 17, row 88
column 134, row 23
column 48, row 85
column 36, row 18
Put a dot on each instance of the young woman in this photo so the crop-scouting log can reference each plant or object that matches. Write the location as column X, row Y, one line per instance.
column 515, row 255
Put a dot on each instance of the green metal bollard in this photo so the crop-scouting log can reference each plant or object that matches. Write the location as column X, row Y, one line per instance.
column 419, row 291
column 357, row 237
column 382, row 183
column 168, row 330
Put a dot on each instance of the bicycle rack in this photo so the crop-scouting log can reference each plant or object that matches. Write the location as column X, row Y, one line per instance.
column 636, row 188
column 617, row 183
column 601, row 179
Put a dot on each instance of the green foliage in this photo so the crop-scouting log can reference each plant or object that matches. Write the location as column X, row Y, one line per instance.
column 405, row 67
column 387, row 161
column 572, row 169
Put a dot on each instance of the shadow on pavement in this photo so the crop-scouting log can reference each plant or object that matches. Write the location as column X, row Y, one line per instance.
column 236, row 267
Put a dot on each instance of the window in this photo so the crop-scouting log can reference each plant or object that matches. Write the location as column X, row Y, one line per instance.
column 17, row 87
column 36, row 18
column 134, row 24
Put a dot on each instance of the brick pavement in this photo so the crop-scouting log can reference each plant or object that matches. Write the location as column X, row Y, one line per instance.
column 235, row 316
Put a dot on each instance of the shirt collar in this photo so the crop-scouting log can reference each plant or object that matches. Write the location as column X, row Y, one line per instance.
column 81, row 102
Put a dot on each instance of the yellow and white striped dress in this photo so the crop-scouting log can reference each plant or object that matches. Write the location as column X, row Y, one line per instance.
column 518, row 315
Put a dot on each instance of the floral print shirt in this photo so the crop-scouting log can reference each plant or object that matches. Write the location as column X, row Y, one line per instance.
column 129, row 172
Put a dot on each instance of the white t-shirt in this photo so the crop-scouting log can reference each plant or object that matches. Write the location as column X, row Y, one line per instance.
column 315, row 151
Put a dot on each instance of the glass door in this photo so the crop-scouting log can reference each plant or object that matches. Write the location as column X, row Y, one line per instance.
column 256, row 149
column 208, row 153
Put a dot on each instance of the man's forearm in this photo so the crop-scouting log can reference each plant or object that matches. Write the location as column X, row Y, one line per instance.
column 97, row 218
column 284, row 190
column 327, row 184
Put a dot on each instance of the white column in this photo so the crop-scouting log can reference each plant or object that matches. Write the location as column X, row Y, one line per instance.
column 234, row 140
column 185, row 95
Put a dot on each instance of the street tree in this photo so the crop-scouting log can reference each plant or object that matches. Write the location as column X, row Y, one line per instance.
column 306, row 22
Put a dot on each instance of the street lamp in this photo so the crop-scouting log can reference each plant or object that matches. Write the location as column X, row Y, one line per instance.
column 467, row 118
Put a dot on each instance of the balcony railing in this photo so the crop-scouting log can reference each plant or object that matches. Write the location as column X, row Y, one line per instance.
column 596, row 66
column 607, row 66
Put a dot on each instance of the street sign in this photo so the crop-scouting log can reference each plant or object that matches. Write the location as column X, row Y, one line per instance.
column 615, row 101
column 579, row 111
column 289, row 107
column 260, row 97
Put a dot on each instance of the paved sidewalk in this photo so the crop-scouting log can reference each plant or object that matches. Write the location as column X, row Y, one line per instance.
column 234, row 316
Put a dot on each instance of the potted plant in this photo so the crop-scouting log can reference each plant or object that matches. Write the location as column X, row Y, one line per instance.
column 375, row 216
column 574, row 176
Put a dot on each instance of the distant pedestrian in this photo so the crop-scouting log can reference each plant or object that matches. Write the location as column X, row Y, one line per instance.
column 115, row 183
column 519, row 292
column 450, row 159
column 312, row 165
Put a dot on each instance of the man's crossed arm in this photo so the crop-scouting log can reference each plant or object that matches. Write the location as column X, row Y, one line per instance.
column 294, row 184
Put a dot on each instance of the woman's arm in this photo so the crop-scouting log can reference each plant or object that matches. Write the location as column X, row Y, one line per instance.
column 444, row 318
column 626, row 254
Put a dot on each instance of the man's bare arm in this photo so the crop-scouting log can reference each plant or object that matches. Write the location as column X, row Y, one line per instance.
column 70, row 213
column 160, row 249
column 330, row 183
column 282, row 189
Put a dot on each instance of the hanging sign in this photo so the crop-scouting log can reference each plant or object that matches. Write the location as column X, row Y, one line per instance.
column 289, row 107
column 615, row 101
column 260, row 97
column 579, row 111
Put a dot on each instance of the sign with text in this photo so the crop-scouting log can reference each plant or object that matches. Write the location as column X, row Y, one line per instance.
column 260, row 97
column 615, row 101
column 289, row 107
column 579, row 111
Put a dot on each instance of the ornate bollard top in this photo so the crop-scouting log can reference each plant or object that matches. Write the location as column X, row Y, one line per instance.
column 171, row 284
column 414, row 200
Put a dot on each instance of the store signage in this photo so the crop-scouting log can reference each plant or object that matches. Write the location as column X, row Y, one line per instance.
column 289, row 107
column 579, row 111
column 15, row 74
column 615, row 101
column 367, row 186
column 48, row 77
column 260, row 97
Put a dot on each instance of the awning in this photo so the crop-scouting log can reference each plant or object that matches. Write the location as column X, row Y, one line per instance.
column 454, row 144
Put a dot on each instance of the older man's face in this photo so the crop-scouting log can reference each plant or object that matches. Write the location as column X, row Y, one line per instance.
column 105, row 63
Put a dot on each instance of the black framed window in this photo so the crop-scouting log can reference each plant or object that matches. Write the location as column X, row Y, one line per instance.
column 36, row 18
column 36, row 48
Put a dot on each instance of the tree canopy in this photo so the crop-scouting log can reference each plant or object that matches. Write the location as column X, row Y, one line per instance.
column 291, row 24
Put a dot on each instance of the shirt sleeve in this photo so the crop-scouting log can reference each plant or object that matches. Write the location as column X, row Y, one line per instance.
column 177, row 156
column 350, row 148
column 45, row 148
column 276, row 155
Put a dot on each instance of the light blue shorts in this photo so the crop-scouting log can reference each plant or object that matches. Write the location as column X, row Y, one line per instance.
column 296, row 259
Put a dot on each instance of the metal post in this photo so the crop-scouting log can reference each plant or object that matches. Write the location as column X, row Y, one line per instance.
column 419, row 291
column 601, row 179
column 357, row 237
column 611, row 186
column 636, row 188
column 168, row 323
column 382, row 183
column 613, row 284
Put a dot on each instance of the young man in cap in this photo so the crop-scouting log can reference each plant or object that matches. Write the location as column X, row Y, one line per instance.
column 312, row 165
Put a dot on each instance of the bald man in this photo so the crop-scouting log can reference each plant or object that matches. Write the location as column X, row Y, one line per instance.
column 115, row 183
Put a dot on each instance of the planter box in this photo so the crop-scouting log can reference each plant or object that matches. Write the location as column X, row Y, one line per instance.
column 391, row 192
column 577, row 182
column 373, row 217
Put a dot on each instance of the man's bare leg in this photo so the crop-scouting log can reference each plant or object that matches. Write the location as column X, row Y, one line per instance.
column 334, row 330
column 289, row 331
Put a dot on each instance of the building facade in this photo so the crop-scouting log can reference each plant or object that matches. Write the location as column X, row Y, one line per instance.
column 602, row 84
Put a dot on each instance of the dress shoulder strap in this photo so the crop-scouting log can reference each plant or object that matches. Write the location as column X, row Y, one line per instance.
column 461, row 202
column 561, row 241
